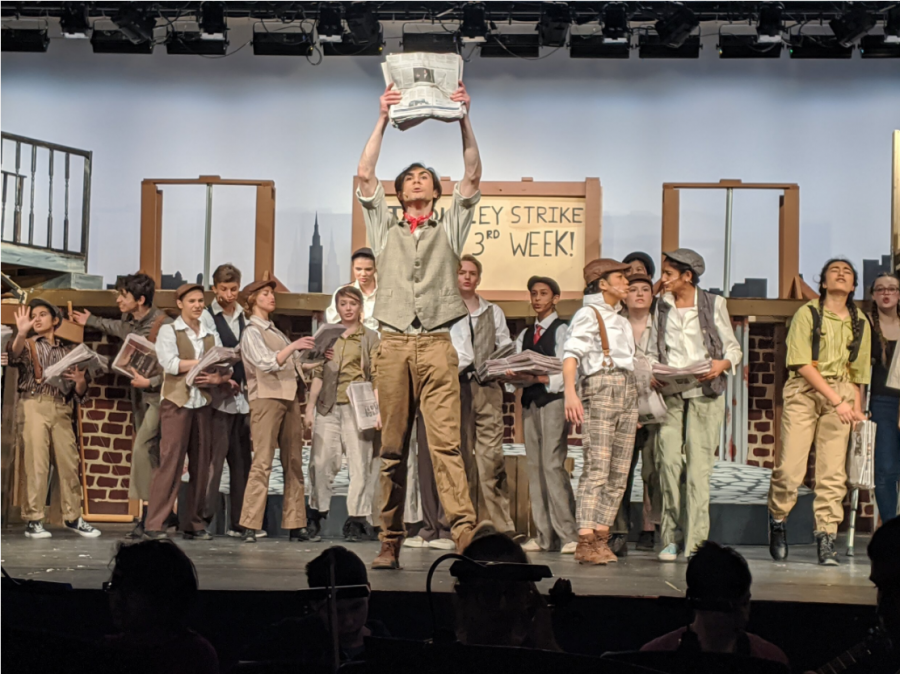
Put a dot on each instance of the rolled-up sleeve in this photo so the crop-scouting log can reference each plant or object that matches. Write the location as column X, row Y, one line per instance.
column 556, row 384
column 377, row 216
column 730, row 346
column 255, row 351
column 520, row 340
column 580, row 338
column 458, row 218
column 799, row 339
column 167, row 350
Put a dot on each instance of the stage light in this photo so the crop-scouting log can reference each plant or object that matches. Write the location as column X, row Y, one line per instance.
column 674, row 29
column 615, row 21
column 282, row 43
column 849, row 28
column 770, row 24
column 329, row 26
column 598, row 47
column 212, row 21
column 439, row 43
column 74, row 21
column 511, row 45
column 362, row 24
column 879, row 47
column 24, row 40
column 134, row 24
column 554, row 24
column 652, row 47
column 474, row 26
column 114, row 42
column 196, row 43
column 802, row 47
column 747, row 47
column 892, row 24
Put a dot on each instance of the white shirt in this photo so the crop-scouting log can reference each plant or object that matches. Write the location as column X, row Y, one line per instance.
column 461, row 332
column 555, row 384
column 167, row 353
column 583, row 340
column 331, row 314
column 223, row 402
column 684, row 338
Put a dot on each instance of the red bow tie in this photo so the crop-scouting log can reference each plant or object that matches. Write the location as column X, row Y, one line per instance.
column 415, row 222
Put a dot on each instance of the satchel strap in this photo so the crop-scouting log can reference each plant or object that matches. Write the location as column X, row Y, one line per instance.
column 154, row 328
column 604, row 338
column 36, row 366
column 816, row 335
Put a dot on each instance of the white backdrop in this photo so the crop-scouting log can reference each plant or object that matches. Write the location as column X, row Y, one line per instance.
column 634, row 124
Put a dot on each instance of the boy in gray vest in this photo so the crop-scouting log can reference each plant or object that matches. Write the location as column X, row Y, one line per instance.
column 417, row 256
column 693, row 326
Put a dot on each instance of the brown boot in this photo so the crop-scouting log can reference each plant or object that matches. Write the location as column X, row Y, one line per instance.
column 389, row 557
column 586, row 551
column 485, row 528
column 601, row 546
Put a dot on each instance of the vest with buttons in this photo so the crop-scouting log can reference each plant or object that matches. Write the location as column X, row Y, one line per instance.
column 331, row 369
column 417, row 279
column 229, row 339
column 537, row 394
column 281, row 384
column 175, row 388
column 484, row 336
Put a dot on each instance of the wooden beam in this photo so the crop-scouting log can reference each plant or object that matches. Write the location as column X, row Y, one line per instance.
column 593, row 219
column 788, row 241
column 151, row 231
column 895, row 205
column 730, row 184
column 671, row 214
column 264, row 254
column 209, row 180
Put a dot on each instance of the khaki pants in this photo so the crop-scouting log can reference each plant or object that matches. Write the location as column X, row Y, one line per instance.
column 231, row 443
column 275, row 424
column 184, row 432
column 420, row 371
column 334, row 435
column 45, row 422
column 145, row 448
column 808, row 418
column 481, row 445
column 688, row 440
column 549, row 486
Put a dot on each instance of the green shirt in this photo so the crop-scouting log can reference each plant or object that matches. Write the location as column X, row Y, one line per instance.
column 834, row 354
column 348, row 356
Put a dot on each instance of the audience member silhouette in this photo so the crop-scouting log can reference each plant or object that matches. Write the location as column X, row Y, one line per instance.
column 884, row 553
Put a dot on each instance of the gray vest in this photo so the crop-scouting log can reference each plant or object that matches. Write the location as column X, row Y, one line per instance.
column 706, row 311
column 331, row 370
column 484, row 337
column 417, row 279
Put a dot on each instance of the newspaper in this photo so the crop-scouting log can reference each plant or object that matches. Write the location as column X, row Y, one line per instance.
column 217, row 359
column 651, row 406
column 7, row 333
column 426, row 82
column 678, row 380
column 81, row 357
column 364, row 404
column 525, row 363
column 325, row 338
column 139, row 353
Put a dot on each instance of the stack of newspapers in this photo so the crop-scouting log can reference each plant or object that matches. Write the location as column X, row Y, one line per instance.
column 81, row 357
column 679, row 380
column 217, row 359
column 426, row 82
column 525, row 363
column 138, row 354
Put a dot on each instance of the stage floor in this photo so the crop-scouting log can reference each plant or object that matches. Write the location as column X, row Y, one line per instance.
column 274, row 564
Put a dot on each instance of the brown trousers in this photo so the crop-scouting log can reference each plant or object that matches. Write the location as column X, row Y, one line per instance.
column 145, row 449
column 434, row 522
column 275, row 424
column 808, row 419
column 45, row 422
column 184, row 432
column 481, row 444
column 420, row 371
column 231, row 442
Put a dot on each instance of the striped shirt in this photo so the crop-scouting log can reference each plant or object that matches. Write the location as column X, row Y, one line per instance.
column 48, row 354
column 834, row 356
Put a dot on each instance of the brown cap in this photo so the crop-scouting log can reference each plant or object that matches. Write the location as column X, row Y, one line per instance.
column 185, row 288
column 251, row 288
column 640, row 278
column 604, row 265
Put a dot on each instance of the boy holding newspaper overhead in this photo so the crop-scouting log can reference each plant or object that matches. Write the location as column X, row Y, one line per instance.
column 44, row 418
column 334, row 416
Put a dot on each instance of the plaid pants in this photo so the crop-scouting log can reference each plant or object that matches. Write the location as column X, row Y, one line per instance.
column 610, row 423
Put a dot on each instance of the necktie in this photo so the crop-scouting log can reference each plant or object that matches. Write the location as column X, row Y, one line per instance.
column 415, row 222
column 537, row 333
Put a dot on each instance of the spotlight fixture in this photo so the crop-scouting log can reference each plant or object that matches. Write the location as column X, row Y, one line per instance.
column 651, row 47
column 329, row 26
column 74, row 20
column 892, row 24
column 439, row 43
column 134, row 24
column 598, row 47
column 212, row 20
column 362, row 25
column 282, row 43
column 674, row 29
column 24, row 39
column 511, row 45
column 802, row 47
column 850, row 27
column 554, row 24
column 474, row 26
column 196, row 43
column 114, row 42
column 770, row 24
column 346, row 48
column 615, row 21
column 747, row 47
column 879, row 47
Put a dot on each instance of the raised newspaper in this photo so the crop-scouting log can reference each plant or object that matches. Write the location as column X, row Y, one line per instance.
column 81, row 357
column 139, row 353
column 426, row 82
column 325, row 337
column 678, row 380
column 217, row 359
column 364, row 404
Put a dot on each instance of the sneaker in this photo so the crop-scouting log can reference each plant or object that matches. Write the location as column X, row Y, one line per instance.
column 778, row 545
column 825, row 543
column 368, row 531
column 249, row 536
column 441, row 544
column 646, row 541
column 415, row 542
column 301, row 534
column 202, row 535
column 618, row 543
column 155, row 535
column 171, row 521
column 531, row 545
column 314, row 521
column 82, row 528
column 569, row 548
column 668, row 553
column 137, row 533
column 261, row 533
column 36, row 530
column 234, row 533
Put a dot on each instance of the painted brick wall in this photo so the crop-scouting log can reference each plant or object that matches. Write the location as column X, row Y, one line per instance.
column 761, row 387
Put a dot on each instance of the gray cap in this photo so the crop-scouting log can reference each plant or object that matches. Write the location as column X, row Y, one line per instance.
column 691, row 258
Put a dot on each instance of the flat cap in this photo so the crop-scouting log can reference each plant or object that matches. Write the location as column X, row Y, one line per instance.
column 52, row 308
column 640, row 278
column 546, row 280
column 601, row 267
column 185, row 288
column 691, row 258
column 363, row 252
column 254, row 286
column 639, row 256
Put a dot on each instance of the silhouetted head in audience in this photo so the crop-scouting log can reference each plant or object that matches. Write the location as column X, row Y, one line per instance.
column 349, row 569
column 884, row 551
column 153, row 586
column 718, row 588
column 500, row 612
